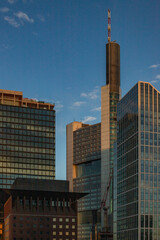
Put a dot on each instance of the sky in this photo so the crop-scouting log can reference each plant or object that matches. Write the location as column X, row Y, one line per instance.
column 54, row 51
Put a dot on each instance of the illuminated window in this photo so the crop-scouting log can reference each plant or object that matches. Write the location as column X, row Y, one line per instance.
column 60, row 226
column 60, row 233
column 54, row 219
column 54, row 233
column 67, row 226
column 73, row 233
column 73, row 219
column 67, row 219
column 60, row 219
column 73, row 226
column 54, row 226
column 67, row 233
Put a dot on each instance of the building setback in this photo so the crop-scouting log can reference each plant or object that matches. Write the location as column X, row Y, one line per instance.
column 137, row 202
column 40, row 209
column 84, row 145
column 27, row 139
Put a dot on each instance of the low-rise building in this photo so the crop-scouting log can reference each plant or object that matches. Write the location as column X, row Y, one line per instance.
column 40, row 210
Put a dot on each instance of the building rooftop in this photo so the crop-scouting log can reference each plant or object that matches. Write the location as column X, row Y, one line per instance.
column 15, row 98
column 38, row 187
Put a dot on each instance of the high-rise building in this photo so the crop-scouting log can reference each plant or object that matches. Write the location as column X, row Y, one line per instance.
column 27, row 139
column 70, row 167
column 137, row 202
column 110, row 95
column 84, row 173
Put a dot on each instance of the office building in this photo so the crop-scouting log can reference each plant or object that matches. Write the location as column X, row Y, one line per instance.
column 137, row 204
column 27, row 139
column 110, row 95
column 70, row 167
column 84, row 172
column 40, row 209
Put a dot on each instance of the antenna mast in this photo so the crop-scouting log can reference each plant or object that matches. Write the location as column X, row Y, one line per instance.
column 109, row 25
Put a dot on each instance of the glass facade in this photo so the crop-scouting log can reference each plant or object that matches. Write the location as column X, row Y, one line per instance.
column 27, row 139
column 138, row 164
column 27, row 144
column 87, row 160
column 149, row 173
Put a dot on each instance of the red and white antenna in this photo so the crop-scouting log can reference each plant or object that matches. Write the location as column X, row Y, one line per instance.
column 109, row 25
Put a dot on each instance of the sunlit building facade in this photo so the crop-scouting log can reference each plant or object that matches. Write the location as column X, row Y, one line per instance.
column 85, row 148
column 137, row 203
column 110, row 95
column 27, row 139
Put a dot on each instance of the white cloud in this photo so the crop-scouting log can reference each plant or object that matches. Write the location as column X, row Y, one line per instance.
column 12, row 1
column 89, row 119
column 98, row 109
column 58, row 106
column 4, row 9
column 158, row 76
column 23, row 17
column 12, row 21
column 6, row 46
column 154, row 66
column 78, row 104
column 41, row 18
column 154, row 81
column 84, row 95
column 92, row 95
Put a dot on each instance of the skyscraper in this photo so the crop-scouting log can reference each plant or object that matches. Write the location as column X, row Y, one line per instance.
column 84, row 173
column 70, row 167
column 110, row 94
column 27, row 139
column 137, row 203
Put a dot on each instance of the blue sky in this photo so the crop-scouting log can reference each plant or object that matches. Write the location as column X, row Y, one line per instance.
column 54, row 50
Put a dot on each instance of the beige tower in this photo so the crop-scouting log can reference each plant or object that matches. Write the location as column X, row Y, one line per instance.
column 110, row 94
column 70, row 128
column 71, row 168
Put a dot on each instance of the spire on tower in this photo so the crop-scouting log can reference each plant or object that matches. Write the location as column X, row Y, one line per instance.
column 109, row 25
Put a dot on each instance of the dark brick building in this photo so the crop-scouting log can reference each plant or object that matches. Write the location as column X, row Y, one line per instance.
column 44, row 214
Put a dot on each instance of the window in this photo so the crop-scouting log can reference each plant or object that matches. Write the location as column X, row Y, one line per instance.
column 73, row 219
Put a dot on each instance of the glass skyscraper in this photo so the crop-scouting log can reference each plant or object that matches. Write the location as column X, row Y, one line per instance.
column 27, row 139
column 137, row 203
